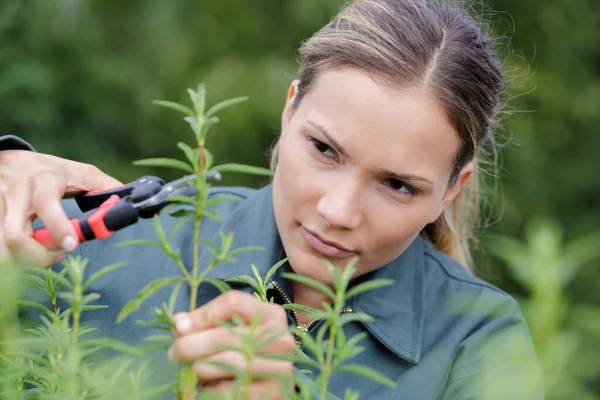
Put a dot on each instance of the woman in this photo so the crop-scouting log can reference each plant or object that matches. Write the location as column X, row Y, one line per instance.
column 377, row 159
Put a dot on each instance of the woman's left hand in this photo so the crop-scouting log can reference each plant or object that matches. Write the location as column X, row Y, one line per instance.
column 199, row 336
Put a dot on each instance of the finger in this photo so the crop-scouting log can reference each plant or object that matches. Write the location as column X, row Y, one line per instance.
column 86, row 177
column 189, row 348
column 17, row 230
column 210, row 369
column 4, row 251
column 225, row 306
column 46, row 203
column 264, row 390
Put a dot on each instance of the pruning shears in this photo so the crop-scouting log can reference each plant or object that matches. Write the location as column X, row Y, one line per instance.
column 106, row 211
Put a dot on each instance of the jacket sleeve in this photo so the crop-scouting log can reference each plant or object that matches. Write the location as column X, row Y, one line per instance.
column 497, row 361
column 11, row 142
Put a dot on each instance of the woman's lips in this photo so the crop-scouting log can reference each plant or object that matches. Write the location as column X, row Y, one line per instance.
column 323, row 248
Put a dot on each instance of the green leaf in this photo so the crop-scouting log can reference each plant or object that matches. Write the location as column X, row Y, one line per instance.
column 93, row 308
column 256, row 273
column 213, row 214
column 189, row 200
column 321, row 287
column 354, row 317
column 246, row 169
column 174, row 106
column 208, row 159
column 160, row 338
column 354, row 340
column 194, row 126
column 309, row 343
column 227, row 367
column 201, row 96
column 88, row 298
column 181, row 213
column 104, row 271
column 219, row 284
column 224, row 104
column 367, row 286
column 220, row 199
column 57, row 277
column 135, row 303
column 164, row 162
column 160, row 232
column 245, row 250
column 367, row 373
column 247, row 281
column 173, row 297
column 34, row 305
column 110, row 344
column 140, row 242
column 274, row 269
column 190, row 154
column 302, row 308
column 37, row 283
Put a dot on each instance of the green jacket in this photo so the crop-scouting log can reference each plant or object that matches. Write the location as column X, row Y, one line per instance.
column 438, row 332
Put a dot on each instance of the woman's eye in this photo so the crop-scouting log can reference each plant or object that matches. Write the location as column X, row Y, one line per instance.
column 322, row 148
column 402, row 187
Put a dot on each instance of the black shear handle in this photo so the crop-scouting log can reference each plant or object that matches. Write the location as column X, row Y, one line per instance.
column 138, row 190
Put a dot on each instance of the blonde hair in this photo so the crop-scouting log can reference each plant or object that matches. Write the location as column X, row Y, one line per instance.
column 432, row 47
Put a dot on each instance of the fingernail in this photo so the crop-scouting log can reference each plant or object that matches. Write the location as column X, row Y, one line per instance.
column 182, row 323
column 69, row 243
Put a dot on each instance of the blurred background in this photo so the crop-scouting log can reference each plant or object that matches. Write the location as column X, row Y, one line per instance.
column 77, row 78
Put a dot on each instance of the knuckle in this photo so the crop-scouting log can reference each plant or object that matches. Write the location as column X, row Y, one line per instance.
column 278, row 314
column 233, row 358
column 288, row 342
column 92, row 170
column 177, row 349
column 13, row 238
column 233, row 299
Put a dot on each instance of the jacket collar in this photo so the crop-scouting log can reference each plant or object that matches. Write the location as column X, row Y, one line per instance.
column 397, row 310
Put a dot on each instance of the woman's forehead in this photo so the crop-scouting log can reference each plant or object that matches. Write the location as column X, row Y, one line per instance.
column 398, row 127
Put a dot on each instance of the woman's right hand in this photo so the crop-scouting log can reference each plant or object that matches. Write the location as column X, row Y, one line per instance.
column 32, row 185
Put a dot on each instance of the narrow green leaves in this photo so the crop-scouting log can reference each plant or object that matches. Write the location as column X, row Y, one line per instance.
column 103, row 272
column 224, row 104
column 242, row 168
column 153, row 287
column 174, row 106
column 367, row 373
column 367, row 286
column 321, row 287
column 165, row 162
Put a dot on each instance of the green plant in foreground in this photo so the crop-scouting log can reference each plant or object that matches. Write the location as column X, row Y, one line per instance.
column 62, row 359
column 330, row 347
column 59, row 359
column 544, row 265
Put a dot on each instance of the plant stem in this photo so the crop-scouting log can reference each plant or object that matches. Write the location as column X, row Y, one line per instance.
column 200, row 204
column 327, row 368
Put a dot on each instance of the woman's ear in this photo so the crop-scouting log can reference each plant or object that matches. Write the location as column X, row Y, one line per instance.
column 288, row 109
column 454, row 190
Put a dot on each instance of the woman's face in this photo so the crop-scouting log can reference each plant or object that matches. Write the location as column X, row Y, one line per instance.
column 362, row 169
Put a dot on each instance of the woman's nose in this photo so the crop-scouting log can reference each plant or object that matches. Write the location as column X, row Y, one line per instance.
column 339, row 206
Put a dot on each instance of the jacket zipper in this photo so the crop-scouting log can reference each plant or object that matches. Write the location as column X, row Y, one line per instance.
column 303, row 327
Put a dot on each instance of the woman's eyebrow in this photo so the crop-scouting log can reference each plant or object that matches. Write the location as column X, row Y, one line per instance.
column 404, row 177
column 334, row 143
column 341, row 150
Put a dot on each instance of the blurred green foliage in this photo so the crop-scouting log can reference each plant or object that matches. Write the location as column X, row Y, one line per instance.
column 77, row 78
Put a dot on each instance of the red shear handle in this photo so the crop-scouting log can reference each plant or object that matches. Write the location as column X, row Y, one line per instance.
column 45, row 238
column 89, row 226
